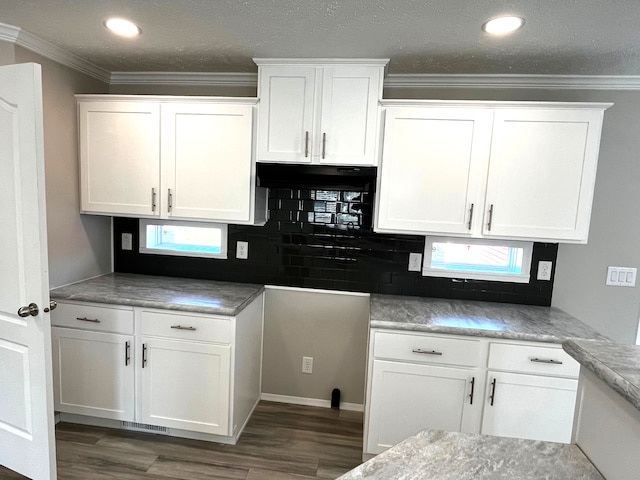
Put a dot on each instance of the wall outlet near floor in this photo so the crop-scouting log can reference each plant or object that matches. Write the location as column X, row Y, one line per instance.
column 544, row 270
column 307, row 364
column 242, row 250
column 415, row 262
column 621, row 276
column 127, row 241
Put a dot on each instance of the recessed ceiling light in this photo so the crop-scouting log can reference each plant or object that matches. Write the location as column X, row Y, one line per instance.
column 122, row 27
column 502, row 25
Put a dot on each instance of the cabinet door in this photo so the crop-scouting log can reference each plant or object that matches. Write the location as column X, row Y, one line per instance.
column 286, row 113
column 207, row 163
column 93, row 373
column 348, row 126
column 529, row 406
column 119, row 157
column 433, row 170
column 185, row 385
column 408, row 398
column 542, row 173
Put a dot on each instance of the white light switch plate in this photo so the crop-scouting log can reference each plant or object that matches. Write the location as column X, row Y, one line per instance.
column 415, row 262
column 621, row 276
column 242, row 250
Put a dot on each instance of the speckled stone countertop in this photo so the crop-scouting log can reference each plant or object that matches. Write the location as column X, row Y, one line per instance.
column 438, row 455
column 485, row 319
column 616, row 364
column 170, row 293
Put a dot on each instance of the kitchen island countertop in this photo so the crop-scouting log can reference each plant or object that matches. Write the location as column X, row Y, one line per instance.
column 616, row 364
column 475, row 318
column 169, row 293
column 434, row 454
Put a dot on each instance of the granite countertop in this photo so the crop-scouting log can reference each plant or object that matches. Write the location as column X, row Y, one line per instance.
column 616, row 364
column 439, row 455
column 169, row 293
column 486, row 319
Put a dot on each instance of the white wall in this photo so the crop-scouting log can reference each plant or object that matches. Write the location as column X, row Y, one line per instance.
column 7, row 53
column 614, row 237
column 79, row 245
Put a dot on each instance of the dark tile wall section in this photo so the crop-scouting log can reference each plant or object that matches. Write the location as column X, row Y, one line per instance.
column 320, row 239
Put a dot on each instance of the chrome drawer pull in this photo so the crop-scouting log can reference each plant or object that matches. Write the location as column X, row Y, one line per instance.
column 542, row 360
column 85, row 319
column 426, row 352
column 180, row 327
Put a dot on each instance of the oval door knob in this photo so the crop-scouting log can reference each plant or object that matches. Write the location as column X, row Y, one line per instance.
column 31, row 309
column 52, row 306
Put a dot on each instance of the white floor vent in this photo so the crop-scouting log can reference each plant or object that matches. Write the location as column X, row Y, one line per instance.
column 143, row 427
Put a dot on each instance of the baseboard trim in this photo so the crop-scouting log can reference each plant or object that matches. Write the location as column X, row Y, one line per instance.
column 310, row 402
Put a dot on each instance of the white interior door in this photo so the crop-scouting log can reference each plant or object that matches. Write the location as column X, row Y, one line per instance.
column 26, row 401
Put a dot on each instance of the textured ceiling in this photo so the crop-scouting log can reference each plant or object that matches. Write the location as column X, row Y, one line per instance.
column 588, row 37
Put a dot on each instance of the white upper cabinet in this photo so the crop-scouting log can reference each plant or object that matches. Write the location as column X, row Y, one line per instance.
column 542, row 173
column 320, row 112
column 434, row 169
column 188, row 158
column 207, row 161
column 119, row 157
column 522, row 171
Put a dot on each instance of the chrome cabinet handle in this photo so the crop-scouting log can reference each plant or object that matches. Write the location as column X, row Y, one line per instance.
column 490, row 218
column 473, row 384
column 470, row 217
column 306, row 144
column 31, row 309
column 324, row 143
column 153, row 199
column 550, row 361
column 170, row 202
column 85, row 319
column 180, row 327
column 144, row 354
column 426, row 352
column 493, row 391
column 127, row 353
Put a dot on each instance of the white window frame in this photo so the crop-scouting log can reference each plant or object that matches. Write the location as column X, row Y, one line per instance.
column 144, row 223
column 499, row 277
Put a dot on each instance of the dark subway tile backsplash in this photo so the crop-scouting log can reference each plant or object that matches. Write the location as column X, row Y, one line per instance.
column 324, row 239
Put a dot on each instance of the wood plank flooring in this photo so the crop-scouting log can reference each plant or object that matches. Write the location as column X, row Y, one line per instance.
column 281, row 442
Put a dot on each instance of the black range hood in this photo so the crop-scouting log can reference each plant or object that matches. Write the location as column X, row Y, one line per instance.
column 278, row 175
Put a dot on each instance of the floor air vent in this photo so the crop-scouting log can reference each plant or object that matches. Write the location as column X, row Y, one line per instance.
column 143, row 427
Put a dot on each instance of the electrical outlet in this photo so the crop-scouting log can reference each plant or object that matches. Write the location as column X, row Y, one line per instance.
column 544, row 270
column 127, row 241
column 415, row 262
column 307, row 364
column 242, row 250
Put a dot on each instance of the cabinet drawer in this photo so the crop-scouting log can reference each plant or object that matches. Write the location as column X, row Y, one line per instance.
column 189, row 327
column 427, row 349
column 532, row 359
column 93, row 317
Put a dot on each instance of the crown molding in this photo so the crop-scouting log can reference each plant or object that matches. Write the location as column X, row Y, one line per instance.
column 555, row 82
column 213, row 79
column 12, row 34
column 31, row 42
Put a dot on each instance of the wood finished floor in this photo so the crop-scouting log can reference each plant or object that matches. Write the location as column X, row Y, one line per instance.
column 281, row 442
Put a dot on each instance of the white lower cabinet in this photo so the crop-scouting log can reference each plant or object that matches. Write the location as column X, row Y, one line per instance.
column 93, row 373
column 196, row 375
column 405, row 397
column 529, row 406
column 419, row 381
column 185, row 385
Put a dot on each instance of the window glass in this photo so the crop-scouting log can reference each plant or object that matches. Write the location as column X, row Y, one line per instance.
column 501, row 260
column 183, row 238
